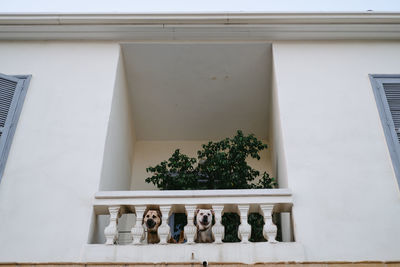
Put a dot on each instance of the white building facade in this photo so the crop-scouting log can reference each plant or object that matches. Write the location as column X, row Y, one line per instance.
column 110, row 95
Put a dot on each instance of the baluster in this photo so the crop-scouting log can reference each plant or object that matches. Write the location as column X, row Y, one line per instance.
column 190, row 229
column 111, row 231
column 137, row 230
column 164, row 229
column 270, row 229
column 218, row 228
column 244, row 227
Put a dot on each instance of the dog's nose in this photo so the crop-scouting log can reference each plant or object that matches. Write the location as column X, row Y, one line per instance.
column 150, row 223
column 205, row 218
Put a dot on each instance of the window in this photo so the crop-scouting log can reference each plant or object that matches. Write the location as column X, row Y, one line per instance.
column 387, row 93
column 12, row 94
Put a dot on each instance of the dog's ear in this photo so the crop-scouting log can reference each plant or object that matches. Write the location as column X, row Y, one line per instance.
column 159, row 214
column 195, row 216
column 213, row 217
column 144, row 214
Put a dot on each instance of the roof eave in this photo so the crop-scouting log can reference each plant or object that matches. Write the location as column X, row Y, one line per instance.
column 209, row 26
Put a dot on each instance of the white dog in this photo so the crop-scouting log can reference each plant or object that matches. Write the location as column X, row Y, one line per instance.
column 204, row 219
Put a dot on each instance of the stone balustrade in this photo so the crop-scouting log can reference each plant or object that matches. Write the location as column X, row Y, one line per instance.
column 243, row 202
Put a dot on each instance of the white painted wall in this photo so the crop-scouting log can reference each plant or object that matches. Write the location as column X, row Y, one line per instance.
column 53, row 169
column 278, row 160
column 193, row 91
column 346, row 198
column 118, row 153
column 150, row 153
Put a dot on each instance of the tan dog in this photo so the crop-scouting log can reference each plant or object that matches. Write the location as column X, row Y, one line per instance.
column 180, row 240
column 204, row 220
column 152, row 220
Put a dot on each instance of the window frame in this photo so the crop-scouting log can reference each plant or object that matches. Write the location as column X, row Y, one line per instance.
column 377, row 81
column 5, row 149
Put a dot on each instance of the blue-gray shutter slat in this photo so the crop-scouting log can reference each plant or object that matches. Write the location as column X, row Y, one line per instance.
column 392, row 92
column 386, row 88
column 10, row 92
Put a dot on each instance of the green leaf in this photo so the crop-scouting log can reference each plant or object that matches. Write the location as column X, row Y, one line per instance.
column 223, row 166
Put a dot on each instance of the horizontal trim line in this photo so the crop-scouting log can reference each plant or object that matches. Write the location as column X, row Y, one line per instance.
column 192, row 193
column 199, row 18
column 111, row 263
column 202, row 26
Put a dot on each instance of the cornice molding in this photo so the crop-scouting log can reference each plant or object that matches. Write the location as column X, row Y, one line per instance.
column 201, row 26
column 199, row 18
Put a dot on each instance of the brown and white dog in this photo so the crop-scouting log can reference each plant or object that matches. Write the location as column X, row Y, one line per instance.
column 152, row 220
column 204, row 220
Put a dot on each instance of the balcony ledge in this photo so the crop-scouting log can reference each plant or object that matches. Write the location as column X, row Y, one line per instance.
column 192, row 193
column 248, row 253
column 282, row 196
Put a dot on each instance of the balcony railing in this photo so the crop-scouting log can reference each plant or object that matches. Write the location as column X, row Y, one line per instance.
column 265, row 202
column 262, row 201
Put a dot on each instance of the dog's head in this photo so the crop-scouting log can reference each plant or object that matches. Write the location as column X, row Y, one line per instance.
column 152, row 219
column 204, row 219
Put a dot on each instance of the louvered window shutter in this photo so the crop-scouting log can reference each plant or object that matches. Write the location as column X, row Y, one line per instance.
column 392, row 92
column 387, row 95
column 11, row 98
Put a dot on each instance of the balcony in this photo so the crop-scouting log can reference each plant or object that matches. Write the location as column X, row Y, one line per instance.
column 117, row 204
column 182, row 95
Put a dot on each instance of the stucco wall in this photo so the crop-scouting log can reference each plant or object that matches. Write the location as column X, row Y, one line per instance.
column 118, row 153
column 346, row 198
column 53, row 169
column 278, row 160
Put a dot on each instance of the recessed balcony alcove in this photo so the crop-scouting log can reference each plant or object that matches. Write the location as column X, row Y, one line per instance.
column 181, row 95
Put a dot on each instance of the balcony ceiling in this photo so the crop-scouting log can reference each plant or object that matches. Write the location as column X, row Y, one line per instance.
column 198, row 91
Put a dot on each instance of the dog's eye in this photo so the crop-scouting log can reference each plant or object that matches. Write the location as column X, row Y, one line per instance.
column 154, row 217
column 148, row 216
column 201, row 214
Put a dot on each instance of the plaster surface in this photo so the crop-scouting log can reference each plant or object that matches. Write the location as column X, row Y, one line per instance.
column 198, row 90
column 249, row 253
column 53, row 168
column 118, row 152
column 346, row 197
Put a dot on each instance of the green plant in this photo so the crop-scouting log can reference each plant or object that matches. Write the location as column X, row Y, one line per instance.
column 221, row 165
column 175, row 174
column 256, row 221
column 231, row 221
